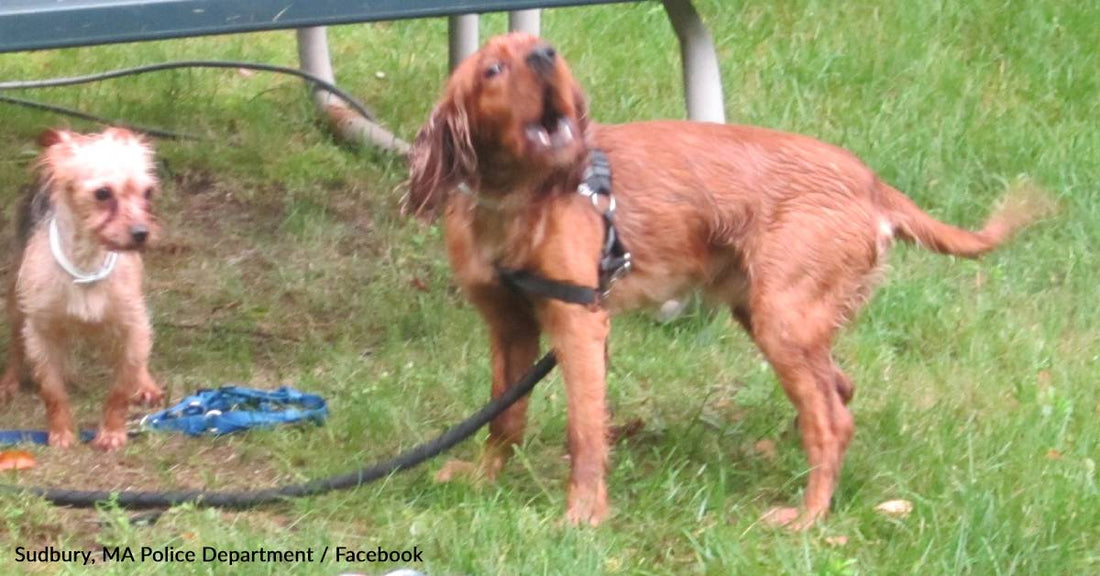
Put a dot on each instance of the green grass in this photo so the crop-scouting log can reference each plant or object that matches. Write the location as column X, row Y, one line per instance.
column 286, row 261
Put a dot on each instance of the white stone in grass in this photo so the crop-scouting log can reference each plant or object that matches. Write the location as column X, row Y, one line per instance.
column 670, row 310
column 895, row 508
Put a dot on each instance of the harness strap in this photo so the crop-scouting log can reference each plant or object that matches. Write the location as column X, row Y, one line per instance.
column 529, row 283
column 614, row 258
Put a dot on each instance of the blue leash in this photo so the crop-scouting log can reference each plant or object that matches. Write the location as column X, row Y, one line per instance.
column 35, row 436
column 220, row 411
column 233, row 408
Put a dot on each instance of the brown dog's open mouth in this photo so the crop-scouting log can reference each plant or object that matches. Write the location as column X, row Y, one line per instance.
column 553, row 131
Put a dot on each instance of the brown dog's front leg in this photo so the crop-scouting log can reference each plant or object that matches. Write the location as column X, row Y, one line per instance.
column 579, row 337
column 513, row 346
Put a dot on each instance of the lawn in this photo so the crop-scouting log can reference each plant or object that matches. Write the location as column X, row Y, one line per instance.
column 285, row 260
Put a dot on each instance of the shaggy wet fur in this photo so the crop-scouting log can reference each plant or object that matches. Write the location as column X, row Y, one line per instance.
column 788, row 232
column 99, row 188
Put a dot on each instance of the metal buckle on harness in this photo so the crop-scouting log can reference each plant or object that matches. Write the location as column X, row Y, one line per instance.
column 136, row 425
column 209, row 414
column 612, row 274
column 585, row 190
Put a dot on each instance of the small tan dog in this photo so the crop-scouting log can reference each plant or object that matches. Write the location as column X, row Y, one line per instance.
column 79, row 265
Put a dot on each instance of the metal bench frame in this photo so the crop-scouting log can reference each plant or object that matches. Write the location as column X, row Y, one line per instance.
column 43, row 24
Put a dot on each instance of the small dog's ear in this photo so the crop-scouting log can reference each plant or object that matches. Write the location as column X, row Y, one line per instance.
column 441, row 158
column 53, row 136
column 121, row 133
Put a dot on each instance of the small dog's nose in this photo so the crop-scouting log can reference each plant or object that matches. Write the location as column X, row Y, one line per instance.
column 542, row 58
column 140, row 233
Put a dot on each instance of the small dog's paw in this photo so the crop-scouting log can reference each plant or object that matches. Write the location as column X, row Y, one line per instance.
column 108, row 440
column 8, row 385
column 148, row 395
column 61, row 438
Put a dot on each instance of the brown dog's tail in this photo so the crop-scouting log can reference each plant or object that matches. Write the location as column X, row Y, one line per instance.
column 1022, row 205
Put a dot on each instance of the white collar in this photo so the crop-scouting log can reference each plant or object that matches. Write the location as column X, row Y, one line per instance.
column 63, row 261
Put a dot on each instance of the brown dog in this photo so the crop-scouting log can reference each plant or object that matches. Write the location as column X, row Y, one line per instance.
column 789, row 232
column 79, row 274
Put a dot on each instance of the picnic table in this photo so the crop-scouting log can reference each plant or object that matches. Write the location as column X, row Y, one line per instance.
column 46, row 24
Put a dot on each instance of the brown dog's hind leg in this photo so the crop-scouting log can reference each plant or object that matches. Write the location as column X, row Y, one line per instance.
column 843, row 384
column 797, row 347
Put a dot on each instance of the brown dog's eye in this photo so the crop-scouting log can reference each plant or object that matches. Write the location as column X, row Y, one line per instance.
column 494, row 69
column 148, row 193
column 102, row 194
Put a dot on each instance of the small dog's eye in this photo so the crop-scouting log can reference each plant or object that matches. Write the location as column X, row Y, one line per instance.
column 148, row 193
column 102, row 194
column 494, row 69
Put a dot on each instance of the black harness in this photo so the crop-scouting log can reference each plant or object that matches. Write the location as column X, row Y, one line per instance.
column 614, row 258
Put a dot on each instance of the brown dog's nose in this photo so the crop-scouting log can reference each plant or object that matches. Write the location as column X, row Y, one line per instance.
column 140, row 233
column 542, row 58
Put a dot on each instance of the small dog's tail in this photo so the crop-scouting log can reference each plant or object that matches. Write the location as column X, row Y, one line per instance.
column 1023, row 205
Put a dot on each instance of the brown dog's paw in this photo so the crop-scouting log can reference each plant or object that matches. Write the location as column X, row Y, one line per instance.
column 148, row 394
column 779, row 516
column 792, row 519
column 484, row 470
column 587, row 505
column 455, row 469
column 61, row 438
column 109, row 440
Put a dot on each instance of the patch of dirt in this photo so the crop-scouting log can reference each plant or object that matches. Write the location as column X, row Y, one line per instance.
column 210, row 228
column 150, row 461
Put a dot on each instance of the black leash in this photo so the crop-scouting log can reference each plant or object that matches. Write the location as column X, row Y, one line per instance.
column 319, row 82
column 137, row 499
column 614, row 262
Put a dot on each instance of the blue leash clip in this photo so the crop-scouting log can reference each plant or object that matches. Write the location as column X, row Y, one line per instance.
column 231, row 409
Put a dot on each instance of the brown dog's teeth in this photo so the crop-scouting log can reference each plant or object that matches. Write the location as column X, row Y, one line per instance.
column 563, row 136
column 538, row 134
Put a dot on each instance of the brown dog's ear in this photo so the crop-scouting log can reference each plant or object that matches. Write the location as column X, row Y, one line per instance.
column 441, row 158
column 52, row 136
column 580, row 103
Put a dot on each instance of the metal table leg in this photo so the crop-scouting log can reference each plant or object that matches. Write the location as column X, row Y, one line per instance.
column 463, row 32
column 529, row 21
column 702, row 79
column 313, row 57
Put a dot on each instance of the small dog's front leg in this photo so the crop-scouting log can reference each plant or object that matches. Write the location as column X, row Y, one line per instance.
column 131, row 379
column 48, row 359
column 146, row 390
column 579, row 336
column 112, row 431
